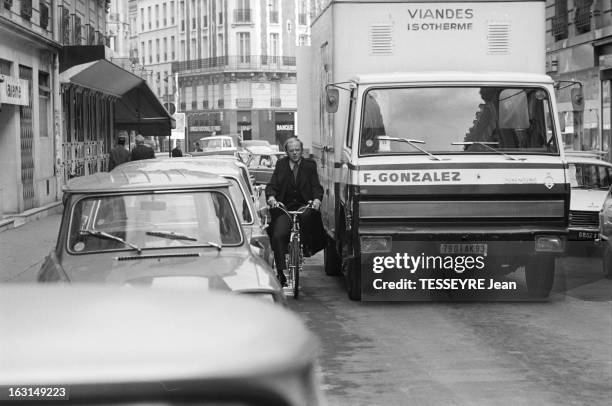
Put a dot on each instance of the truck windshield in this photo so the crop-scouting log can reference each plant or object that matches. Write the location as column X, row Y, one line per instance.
column 515, row 120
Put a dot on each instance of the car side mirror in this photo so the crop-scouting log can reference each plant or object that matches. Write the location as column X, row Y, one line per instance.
column 331, row 100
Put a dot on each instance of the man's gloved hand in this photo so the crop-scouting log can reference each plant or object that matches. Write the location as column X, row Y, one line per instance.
column 316, row 204
column 272, row 201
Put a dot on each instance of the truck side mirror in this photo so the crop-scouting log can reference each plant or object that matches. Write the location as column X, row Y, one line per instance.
column 331, row 100
column 577, row 99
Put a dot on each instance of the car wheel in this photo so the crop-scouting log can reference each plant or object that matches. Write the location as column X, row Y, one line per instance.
column 540, row 275
column 607, row 261
column 331, row 259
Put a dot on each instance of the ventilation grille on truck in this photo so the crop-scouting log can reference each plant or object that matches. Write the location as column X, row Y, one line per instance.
column 381, row 39
column 498, row 38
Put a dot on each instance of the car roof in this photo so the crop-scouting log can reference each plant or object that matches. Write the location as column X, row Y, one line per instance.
column 130, row 178
column 216, row 137
column 213, row 165
column 96, row 334
column 263, row 150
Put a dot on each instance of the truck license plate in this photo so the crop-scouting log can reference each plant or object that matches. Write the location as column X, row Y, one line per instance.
column 478, row 249
column 585, row 235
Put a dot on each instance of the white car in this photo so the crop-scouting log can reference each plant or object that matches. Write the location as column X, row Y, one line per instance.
column 590, row 179
column 217, row 142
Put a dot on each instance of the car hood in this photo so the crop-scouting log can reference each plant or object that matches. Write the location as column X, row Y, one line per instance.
column 209, row 271
column 587, row 199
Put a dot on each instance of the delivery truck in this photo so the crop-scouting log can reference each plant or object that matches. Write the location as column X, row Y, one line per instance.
column 436, row 133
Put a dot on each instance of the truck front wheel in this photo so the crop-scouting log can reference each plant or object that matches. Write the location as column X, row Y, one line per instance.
column 539, row 275
column 331, row 259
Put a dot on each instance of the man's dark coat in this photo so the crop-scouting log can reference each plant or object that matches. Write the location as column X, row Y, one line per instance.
column 142, row 152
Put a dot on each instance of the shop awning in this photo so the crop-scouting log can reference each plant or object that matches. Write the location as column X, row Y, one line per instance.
column 137, row 107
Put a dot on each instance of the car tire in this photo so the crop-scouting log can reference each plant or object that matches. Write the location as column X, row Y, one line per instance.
column 331, row 259
column 540, row 275
column 353, row 281
column 607, row 261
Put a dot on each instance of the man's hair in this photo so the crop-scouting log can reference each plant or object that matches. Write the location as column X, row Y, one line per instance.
column 293, row 139
column 140, row 139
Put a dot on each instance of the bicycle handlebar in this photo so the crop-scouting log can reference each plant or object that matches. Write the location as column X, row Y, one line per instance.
column 292, row 213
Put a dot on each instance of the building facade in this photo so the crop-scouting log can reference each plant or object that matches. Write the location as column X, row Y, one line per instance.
column 29, row 104
column 579, row 49
column 236, row 66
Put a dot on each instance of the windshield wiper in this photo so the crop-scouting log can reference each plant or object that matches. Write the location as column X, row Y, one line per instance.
column 171, row 235
column 105, row 235
column 412, row 143
column 487, row 144
column 218, row 246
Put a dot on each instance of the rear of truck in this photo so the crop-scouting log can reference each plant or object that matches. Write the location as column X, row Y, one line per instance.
column 443, row 167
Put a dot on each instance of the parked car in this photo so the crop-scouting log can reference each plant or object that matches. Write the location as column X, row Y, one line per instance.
column 261, row 163
column 156, row 227
column 241, row 191
column 218, row 142
column 590, row 179
column 100, row 346
column 258, row 143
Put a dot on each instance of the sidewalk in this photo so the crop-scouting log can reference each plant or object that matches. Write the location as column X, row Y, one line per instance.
column 23, row 249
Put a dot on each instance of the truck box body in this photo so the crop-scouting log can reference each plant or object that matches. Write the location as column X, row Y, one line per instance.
column 443, row 184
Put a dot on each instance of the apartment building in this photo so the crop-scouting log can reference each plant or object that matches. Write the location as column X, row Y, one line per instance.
column 579, row 48
column 236, row 66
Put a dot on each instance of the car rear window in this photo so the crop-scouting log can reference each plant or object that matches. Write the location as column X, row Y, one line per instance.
column 152, row 221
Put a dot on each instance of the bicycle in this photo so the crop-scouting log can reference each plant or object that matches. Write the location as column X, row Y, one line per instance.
column 295, row 259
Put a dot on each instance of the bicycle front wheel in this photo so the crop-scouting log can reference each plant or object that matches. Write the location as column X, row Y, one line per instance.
column 294, row 260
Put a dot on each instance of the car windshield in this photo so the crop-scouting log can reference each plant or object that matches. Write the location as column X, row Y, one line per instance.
column 262, row 161
column 590, row 176
column 149, row 221
column 216, row 143
column 457, row 120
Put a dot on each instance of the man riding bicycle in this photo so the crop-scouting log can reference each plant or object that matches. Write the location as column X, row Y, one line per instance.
column 294, row 183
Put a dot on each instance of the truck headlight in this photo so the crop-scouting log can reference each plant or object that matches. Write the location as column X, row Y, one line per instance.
column 370, row 244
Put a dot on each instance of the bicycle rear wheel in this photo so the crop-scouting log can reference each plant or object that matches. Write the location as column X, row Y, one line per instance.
column 294, row 267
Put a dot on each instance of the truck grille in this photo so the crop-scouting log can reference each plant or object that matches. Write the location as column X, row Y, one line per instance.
column 584, row 219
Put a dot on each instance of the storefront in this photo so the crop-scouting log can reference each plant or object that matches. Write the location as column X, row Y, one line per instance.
column 284, row 125
column 100, row 99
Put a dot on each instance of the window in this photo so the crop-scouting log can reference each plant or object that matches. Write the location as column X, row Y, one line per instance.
column 142, row 19
column 157, row 16
column 165, row 15
column 244, row 47
column 182, row 15
column 157, row 50
column 303, row 40
column 172, row 47
column 220, row 45
column 142, row 51
column 165, row 49
column 274, row 47
column 150, row 16
column 194, row 49
column 193, row 14
column 273, row 11
column 182, row 50
column 44, row 106
column 150, row 51
column 171, row 13
column 302, row 12
column 242, row 13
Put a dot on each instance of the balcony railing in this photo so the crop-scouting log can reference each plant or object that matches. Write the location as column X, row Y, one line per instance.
column 237, row 63
column 559, row 27
column 275, row 102
column 244, row 103
column 242, row 15
column 302, row 18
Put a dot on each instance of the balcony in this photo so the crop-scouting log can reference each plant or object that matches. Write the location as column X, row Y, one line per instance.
column 275, row 102
column 244, row 103
column 242, row 16
column 244, row 63
column 559, row 27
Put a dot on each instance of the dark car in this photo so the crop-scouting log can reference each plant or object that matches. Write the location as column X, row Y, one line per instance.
column 171, row 227
column 261, row 163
